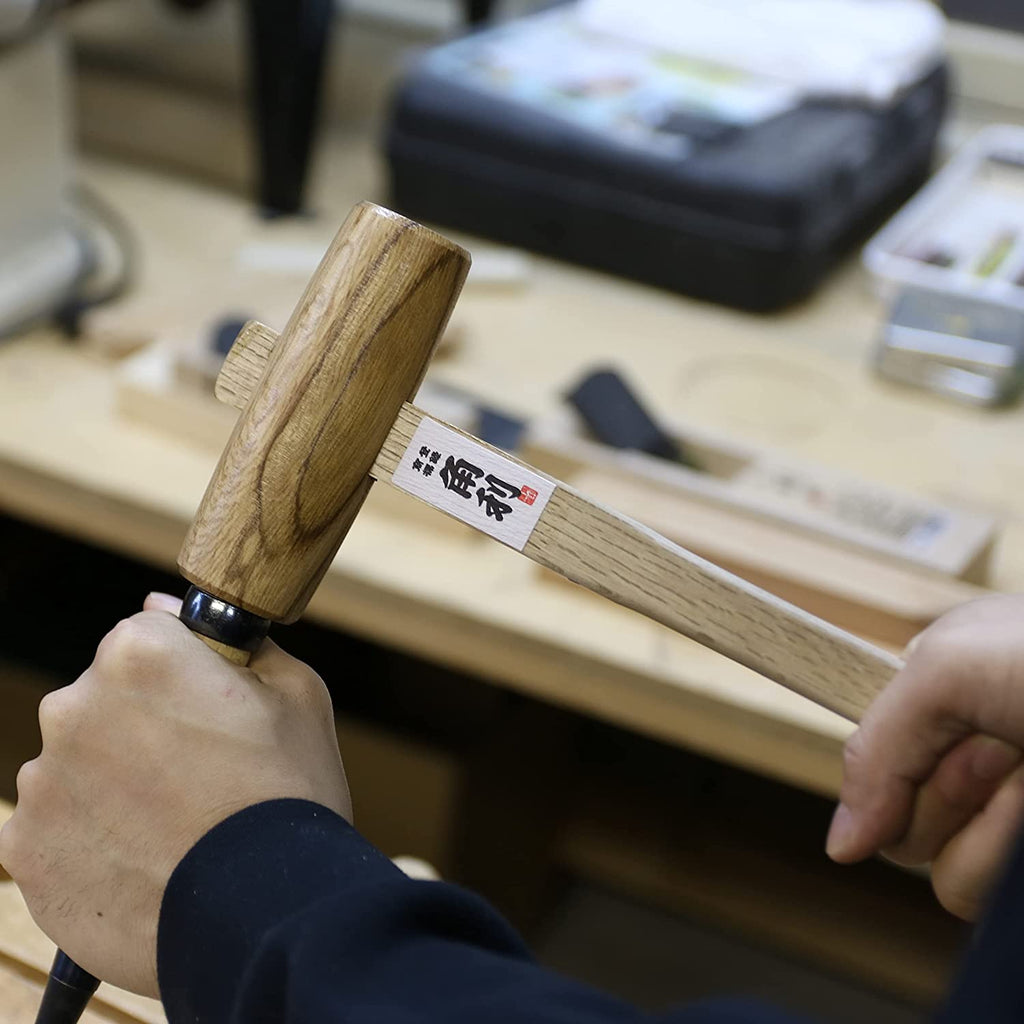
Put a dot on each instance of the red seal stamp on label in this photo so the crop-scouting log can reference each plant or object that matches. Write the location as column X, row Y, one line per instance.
column 527, row 495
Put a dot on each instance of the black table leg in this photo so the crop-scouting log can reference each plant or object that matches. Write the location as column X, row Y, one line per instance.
column 287, row 43
column 478, row 11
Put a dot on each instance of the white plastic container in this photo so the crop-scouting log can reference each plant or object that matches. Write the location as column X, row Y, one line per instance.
column 963, row 233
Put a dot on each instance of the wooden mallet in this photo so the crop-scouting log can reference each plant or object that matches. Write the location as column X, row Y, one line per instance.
column 325, row 411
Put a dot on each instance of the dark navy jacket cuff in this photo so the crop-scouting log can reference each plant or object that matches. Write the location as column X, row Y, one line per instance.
column 247, row 875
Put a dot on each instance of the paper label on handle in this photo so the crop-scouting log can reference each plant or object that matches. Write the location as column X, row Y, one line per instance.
column 484, row 489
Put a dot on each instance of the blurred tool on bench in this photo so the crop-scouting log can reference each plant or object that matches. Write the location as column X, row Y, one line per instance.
column 63, row 248
column 689, row 145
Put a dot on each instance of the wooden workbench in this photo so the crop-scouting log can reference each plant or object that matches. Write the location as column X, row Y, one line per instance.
column 799, row 381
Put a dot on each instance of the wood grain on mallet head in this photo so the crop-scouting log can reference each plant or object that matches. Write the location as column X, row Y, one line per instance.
column 294, row 473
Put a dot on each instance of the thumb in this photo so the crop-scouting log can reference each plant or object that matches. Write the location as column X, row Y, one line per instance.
column 963, row 676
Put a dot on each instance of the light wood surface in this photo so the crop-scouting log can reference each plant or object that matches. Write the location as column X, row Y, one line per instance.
column 796, row 381
column 21, row 992
column 294, row 473
column 765, row 485
column 417, row 582
column 245, row 364
column 620, row 559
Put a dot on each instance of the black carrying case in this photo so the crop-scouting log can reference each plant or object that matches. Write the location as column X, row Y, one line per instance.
column 752, row 217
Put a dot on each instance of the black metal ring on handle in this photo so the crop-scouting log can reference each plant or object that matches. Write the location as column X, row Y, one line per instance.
column 226, row 623
column 69, row 987
column 67, row 994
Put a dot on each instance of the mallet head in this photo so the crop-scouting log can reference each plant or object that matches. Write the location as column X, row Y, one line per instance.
column 294, row 474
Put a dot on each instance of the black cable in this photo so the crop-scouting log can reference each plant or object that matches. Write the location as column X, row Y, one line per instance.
column 33, row 19
column 93, row 213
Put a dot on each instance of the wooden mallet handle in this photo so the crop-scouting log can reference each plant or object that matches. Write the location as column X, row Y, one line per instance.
column 627, row 562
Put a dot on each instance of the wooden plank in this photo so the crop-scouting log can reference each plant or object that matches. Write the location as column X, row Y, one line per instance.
column 21, row 990
column 867, row 595
column 768, row 487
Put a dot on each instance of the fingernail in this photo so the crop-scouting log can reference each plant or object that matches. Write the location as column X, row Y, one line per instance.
column 838, row 845
column 165, row 601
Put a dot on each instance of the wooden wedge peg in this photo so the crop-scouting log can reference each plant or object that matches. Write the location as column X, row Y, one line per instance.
column 245, row 364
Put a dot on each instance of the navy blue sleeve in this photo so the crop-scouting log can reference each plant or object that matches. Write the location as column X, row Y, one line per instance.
column 284, row 914
column 990, row 984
